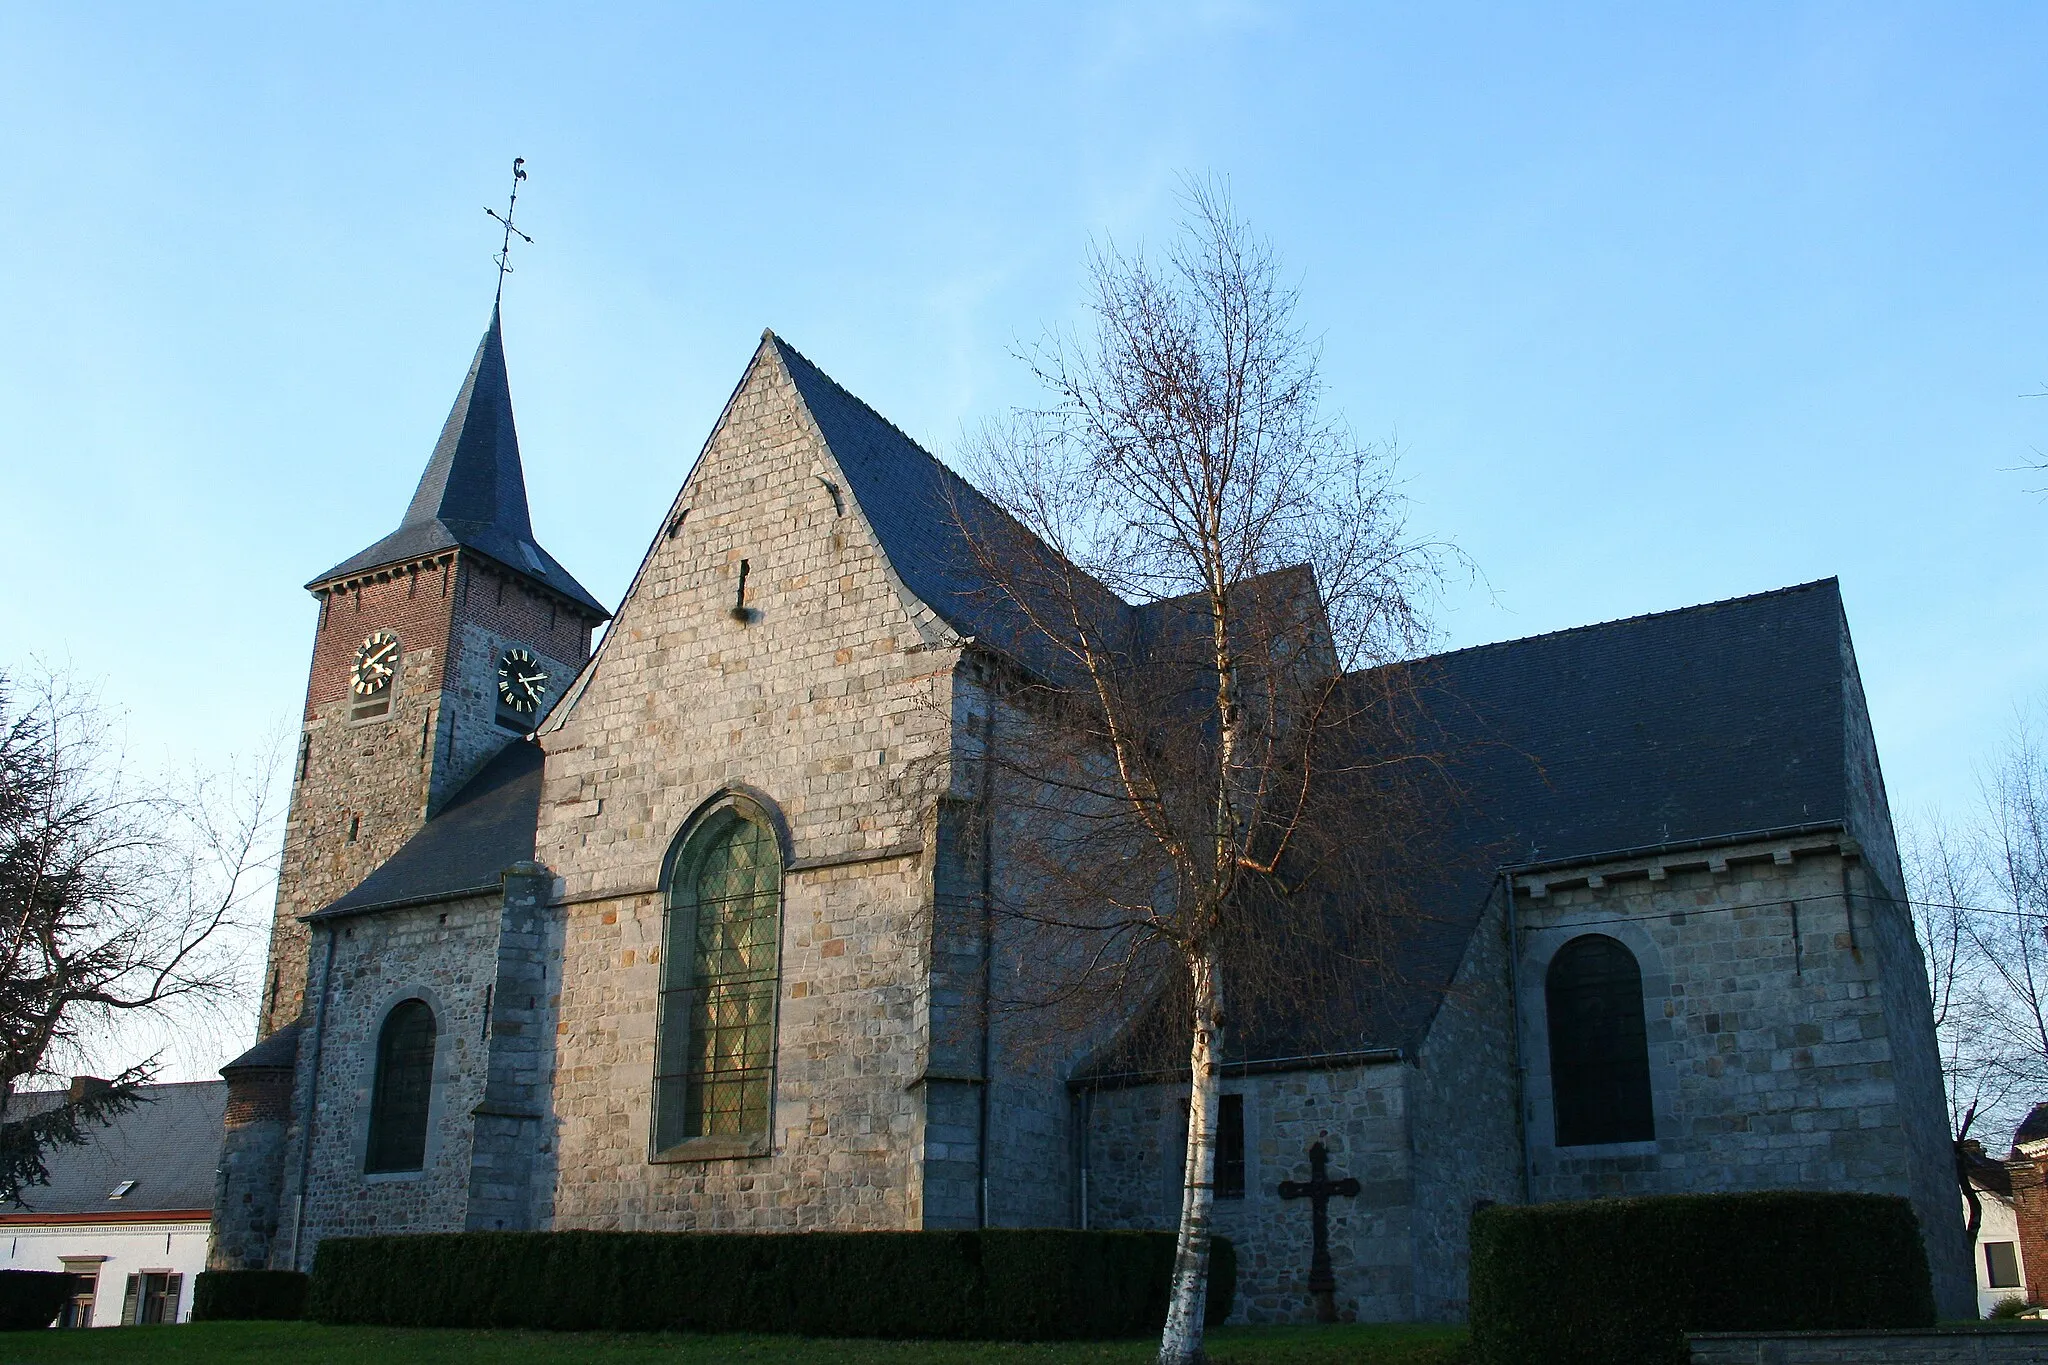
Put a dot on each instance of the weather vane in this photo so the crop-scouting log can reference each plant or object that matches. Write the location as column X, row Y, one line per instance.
column 504, row 256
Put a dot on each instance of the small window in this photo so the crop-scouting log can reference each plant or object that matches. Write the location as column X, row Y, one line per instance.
column 1599, row 1050
column 402, row 1096
column 120, row 1191
column 2001, row 1265
column 1228, row 1177
column 151, row 1297
column 1230, row 1148
column 85, row 1287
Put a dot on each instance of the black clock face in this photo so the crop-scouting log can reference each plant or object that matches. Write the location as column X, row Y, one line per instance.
column 522, row 682
column 376, row 664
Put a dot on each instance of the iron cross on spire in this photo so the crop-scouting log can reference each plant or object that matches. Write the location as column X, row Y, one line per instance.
column 504, row 256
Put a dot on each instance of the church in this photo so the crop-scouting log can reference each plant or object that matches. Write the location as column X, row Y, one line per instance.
column 664, row 933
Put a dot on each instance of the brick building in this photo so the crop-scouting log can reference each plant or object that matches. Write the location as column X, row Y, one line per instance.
column 683, row 933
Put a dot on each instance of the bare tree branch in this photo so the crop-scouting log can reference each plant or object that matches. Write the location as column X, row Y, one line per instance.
column 117, row 899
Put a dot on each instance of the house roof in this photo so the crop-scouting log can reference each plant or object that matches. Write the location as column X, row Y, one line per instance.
column 473, row 493
column 1704, row 723
column 2033, row 1128
column 169, row 1145
column 485, row 828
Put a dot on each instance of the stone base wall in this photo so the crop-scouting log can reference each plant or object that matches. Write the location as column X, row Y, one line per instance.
column 1462, row 1095
column 2018, row 1345
column 1135, row 1142
column 250, row 1178
column 447, row 955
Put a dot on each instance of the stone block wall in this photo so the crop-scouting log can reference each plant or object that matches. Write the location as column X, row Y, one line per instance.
column 826, row 698
column 1463, row 1096
column 1136, row 1137
column 2018, row 1344
column 512, row 1125
column 1784, row 1049
column 447, row 955
column 1877, row 881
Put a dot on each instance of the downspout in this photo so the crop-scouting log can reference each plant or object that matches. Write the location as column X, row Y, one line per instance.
column 1515, row 1021
column 1085, row 1101
column 988, row 739
column 312, row 1109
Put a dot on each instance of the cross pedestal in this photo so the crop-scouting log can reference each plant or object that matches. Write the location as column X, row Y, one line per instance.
column 1317, row 1189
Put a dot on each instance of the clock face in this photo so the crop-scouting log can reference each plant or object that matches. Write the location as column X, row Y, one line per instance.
column 522, row 682
column 376, row 664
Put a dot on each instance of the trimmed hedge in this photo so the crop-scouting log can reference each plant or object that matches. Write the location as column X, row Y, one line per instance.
column 31, row 1299
column 248, row 1294
column 1618, row 1281
column 1025, row 1285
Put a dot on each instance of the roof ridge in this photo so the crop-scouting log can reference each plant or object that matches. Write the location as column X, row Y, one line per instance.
column 876, row 413
column 1589, row 626
column 146, row 1085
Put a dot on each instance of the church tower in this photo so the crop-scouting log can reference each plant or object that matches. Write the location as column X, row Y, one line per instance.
column 435, row 647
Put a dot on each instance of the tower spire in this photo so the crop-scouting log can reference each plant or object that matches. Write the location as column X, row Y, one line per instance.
column 504, row 256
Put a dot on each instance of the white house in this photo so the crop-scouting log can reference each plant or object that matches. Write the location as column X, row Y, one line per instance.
column 129, row 1211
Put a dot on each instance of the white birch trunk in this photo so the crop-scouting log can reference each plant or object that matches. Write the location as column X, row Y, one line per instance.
column 1181, row 1343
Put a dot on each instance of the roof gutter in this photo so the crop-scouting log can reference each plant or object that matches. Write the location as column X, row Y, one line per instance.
column 1307, row 1061
column 403, row 902
column 1616, row 855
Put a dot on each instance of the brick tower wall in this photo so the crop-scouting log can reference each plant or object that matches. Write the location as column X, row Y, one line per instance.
column 361, row 788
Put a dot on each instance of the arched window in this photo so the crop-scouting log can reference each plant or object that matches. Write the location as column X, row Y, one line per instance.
column 1599, row 1055
column 404, row 1088
column 715, row 1061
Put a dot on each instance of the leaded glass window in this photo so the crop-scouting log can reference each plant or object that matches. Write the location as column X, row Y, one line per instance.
column 403, row 1094
column 1599, row 1051
column 715, row 1071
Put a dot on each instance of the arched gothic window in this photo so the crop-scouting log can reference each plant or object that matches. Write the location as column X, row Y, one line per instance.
column 1599, row 1054
column 715, row 1063
column 400, row 1100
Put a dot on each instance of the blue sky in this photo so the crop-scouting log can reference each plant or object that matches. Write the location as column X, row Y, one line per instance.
column 1665, row 303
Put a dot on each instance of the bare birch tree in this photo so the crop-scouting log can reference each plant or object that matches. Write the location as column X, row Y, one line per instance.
column 1201, row 562
column 1979, row 894
column 117, row 902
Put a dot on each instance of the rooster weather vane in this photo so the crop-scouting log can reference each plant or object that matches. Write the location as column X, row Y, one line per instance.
column 504, row 256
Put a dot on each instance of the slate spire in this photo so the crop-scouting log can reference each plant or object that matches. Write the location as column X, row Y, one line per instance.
column 473, row 493
column 474, row 479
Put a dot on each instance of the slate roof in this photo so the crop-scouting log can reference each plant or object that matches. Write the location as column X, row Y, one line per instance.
column 473, row 493
column 486, row 827
column 916, row 506
column 1704, row 723
column 278, row 1052
column 169, row 1145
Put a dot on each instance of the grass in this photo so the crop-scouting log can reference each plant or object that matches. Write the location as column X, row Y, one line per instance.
column 302, row 1343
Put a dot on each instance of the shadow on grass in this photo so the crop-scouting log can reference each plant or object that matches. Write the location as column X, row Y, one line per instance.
column 273, row 1343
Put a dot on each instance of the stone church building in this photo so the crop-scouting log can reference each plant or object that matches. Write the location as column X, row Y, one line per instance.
column 670, row 934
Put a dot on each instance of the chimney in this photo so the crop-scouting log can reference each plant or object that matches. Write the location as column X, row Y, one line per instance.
column 81, row 1086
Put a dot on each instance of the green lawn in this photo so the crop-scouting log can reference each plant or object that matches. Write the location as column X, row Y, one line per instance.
column 299, row 1343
